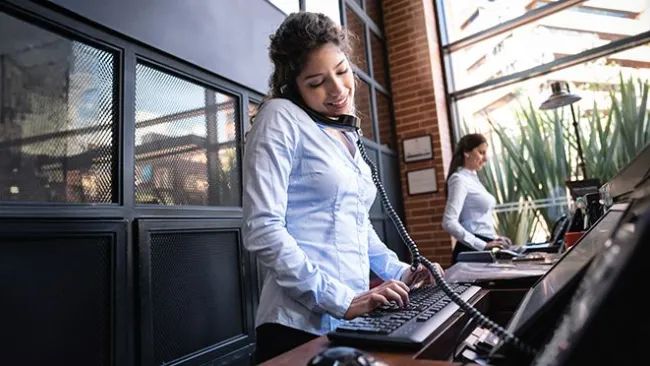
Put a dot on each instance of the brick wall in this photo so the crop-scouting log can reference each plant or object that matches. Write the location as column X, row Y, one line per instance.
column 419, row 107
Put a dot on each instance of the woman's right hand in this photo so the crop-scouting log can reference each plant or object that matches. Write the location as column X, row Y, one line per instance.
column 391, row 290
column 495, row 244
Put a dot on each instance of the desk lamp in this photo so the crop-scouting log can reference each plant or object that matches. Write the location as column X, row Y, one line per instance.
column 562, row 96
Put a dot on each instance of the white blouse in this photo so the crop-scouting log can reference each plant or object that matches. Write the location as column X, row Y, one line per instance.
column 469, row 209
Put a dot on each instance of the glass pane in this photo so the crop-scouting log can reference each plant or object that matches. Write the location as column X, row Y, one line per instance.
column 328, row 7
column 57, row 117
column 252, row 110
column 546, row 40
column 287, row 6
column 356, row 27
column 186, row 142
column 378, row 60
column 464, row 18
column 373, row 9
column 362, row 102
column 539, row 147
column 386, row 136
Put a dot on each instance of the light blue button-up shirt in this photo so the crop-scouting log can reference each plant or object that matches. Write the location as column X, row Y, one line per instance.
column 306, row 202
column 469, row 209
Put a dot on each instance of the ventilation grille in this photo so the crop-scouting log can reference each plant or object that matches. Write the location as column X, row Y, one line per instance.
column 195, row 292
column 55, row 306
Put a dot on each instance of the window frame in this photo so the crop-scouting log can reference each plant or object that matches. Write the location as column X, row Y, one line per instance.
column 127, row 54
column 447, row 49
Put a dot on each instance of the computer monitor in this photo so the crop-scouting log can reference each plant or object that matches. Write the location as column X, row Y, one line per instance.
column 554, row 283
column 564, row 270
column 603, row 323
column 580, row 188
column 624, row 182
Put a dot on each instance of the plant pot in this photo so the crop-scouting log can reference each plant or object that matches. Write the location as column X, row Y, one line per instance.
column 571, row 238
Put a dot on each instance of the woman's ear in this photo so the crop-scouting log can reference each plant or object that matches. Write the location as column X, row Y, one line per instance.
column 466, row 155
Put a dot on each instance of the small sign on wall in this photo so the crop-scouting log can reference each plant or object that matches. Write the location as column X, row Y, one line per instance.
column 422, row 181
column 418, row 148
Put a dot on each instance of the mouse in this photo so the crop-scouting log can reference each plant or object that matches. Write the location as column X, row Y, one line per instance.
column 504, row 253
column 344, row 356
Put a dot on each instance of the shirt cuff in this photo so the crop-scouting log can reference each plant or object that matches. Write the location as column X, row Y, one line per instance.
column 479, row 244
column 400, row 273
column 338, row 300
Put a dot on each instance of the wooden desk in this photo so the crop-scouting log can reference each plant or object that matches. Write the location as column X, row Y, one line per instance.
column 498, row 304
column 301, row 355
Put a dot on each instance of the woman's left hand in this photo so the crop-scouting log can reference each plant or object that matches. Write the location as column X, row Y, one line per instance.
column 420, row 276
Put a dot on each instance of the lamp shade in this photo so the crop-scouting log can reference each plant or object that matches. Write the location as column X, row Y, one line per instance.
column 560, row 97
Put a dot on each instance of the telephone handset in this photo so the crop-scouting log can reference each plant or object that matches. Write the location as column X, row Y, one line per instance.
column 352, row 123
column 345, row 122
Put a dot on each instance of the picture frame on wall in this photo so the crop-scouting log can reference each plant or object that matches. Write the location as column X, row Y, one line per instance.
column 421, row 181
column 418, row 148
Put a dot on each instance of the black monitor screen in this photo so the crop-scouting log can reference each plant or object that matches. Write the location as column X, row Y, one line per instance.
column 564, row 270
column 629, row 176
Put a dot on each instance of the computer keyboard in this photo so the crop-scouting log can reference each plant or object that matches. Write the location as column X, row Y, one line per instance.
column 408, row 327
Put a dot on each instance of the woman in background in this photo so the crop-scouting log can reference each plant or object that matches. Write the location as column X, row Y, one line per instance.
column 468, row 213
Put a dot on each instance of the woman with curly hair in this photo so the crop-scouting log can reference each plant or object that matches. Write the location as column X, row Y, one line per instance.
column 307, row 195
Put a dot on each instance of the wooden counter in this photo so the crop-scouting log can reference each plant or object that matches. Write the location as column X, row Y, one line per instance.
column 498, row 304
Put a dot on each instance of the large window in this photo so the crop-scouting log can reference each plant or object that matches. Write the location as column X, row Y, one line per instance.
column 58, row 117
column 502, row 56
column 185, row 142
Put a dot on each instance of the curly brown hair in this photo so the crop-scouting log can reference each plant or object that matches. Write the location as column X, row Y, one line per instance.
column 293, row 41
column 299, row 35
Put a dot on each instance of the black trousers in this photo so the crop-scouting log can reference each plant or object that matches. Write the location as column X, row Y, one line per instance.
column 275, row 339
column 462, row 247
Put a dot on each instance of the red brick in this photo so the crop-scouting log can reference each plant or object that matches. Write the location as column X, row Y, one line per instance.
column 419, row 107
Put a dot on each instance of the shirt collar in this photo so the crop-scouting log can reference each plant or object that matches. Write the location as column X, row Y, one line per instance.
column 467, row 171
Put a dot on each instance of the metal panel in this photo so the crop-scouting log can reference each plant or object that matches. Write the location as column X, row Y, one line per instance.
column 202, row 31
column 68, row 285
column 195, row 293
